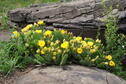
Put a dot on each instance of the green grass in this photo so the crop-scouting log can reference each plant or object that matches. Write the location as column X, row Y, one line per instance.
column 6, row 5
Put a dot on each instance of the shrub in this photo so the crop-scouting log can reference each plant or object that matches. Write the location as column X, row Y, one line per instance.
column 35, row 45
column 58, row 47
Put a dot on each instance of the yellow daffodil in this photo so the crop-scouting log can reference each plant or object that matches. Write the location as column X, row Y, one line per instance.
column 48, row 33
column 16, row 34
column 109, row 57
column 41, row 43
column 112, row 63
column 90, row 43
column 40, row 22
column 65, row 45
column 79, row 50
column 38, row 31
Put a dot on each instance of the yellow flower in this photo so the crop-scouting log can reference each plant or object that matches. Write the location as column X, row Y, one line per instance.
column 42, row 52
column 40, row 22
column 90, row 43
column 41, row 43
column 63, row 31
column 25, row 30
column 38, row 51
column 92, row 50
column 65, row 45
column 78, row 38
column 109, row 57
column 79, row 50
column 48, row 33
column 38, row 31
column 54, row 57
column 29, row 26
column 112, row 63
column 84, row 44
column 16, row 34
column 98, row 41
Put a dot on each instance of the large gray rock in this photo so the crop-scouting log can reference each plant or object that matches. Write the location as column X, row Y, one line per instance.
column 79, row 16
column 72, row 74
column 71, row 12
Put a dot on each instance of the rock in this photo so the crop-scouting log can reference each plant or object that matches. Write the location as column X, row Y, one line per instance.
column 78, row 15
column 122, row 22
column 72, row 74
column 5, row 35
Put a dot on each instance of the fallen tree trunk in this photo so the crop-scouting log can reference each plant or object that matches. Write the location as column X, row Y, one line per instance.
column 79, row 16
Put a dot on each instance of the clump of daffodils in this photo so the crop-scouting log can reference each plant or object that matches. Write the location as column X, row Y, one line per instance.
column 61, row 47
